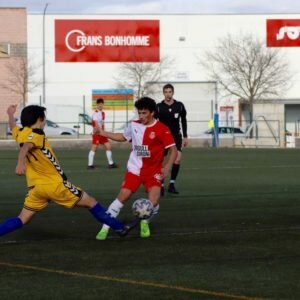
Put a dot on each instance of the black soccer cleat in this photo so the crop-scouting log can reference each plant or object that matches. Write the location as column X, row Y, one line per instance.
column 128, row 227
column 112, row 166
column 90, row 167
column 172, row 189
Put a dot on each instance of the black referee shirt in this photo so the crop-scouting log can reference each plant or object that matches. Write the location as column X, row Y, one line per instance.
column 171, row 115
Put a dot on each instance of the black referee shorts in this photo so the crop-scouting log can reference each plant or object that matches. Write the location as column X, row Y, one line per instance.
column 178, row 142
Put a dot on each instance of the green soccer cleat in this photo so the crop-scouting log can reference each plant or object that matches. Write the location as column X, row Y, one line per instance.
column 102, row 234
column 144, row 229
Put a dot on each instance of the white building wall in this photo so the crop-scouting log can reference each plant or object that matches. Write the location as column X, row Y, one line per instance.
column 182, row 37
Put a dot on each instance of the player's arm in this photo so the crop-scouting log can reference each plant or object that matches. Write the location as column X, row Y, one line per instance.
column 156, row 113
column 115, row 136
column 170, row 160
column 184, row 126
column 11, row 110
column 20, row 168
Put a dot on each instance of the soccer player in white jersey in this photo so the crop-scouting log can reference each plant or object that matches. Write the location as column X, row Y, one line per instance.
column 149, row 138
column 98, row 118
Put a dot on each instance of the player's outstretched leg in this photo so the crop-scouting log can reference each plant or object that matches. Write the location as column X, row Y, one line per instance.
column 102, row 216
column 10, row 225
column 114, row 210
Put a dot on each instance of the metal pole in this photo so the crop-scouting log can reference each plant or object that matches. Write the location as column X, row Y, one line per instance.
column 44, row 62
column 84, row 123
column 216, row 97
column 216, row 118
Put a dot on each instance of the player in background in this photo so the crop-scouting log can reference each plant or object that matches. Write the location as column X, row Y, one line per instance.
column 172, row 112
column 98, row 118
column 149, row 139
column 46, row 180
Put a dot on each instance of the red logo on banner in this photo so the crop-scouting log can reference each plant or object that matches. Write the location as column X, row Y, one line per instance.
column 107, row 41
column 283, row 33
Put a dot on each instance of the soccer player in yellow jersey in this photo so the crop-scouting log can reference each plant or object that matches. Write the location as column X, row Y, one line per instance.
column 45, row 178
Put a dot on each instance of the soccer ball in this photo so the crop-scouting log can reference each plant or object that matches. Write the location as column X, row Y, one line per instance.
column 142, row 208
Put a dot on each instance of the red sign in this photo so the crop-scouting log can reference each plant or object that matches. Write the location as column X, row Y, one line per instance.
column 283, row 33
column 107, row 41
column 226, row 108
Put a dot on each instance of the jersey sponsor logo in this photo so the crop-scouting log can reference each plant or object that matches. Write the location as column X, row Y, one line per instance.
column 30, row 136
column 283, row 33
column 142, row 151
column 176, row 115
column 107, row 40
column 152, row 135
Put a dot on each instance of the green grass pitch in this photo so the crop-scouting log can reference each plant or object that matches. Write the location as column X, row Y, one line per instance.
column 233, row 232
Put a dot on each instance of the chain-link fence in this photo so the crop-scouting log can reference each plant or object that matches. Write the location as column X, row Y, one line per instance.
column 261, row 133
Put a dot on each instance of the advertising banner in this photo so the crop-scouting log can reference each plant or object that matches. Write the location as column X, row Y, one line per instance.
column 114, row 99
column 283, row 33
column 107, row 41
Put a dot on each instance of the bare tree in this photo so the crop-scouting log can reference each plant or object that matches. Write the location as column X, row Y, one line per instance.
column 137, row 75
column 246, row 68
column 20, row 77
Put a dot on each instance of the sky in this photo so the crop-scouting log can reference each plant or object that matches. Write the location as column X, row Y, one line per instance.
column 157, row 6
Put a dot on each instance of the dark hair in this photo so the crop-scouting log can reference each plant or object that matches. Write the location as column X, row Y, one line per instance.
column 99, row 100
column 31, row 113
column 146, row 103
column 168, row 86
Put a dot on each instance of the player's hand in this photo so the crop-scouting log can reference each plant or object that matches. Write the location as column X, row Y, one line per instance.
column 20, row 169
column 11, row 109
column 185, row 142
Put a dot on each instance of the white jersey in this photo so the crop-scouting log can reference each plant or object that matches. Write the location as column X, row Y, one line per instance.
column 98, row 117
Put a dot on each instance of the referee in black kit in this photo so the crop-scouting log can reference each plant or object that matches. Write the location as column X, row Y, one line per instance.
column 171, row 112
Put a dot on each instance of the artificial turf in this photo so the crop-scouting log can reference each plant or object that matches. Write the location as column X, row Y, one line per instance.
column 232, row 233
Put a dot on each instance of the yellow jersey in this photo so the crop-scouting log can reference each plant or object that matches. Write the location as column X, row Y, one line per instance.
column 42, row 166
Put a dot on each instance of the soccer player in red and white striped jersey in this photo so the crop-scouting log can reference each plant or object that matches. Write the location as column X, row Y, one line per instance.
column 149, row 138
column 98, row 118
